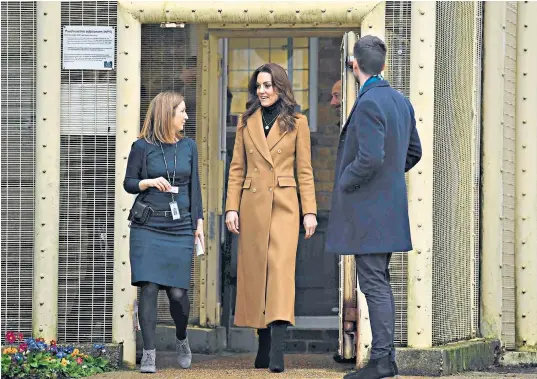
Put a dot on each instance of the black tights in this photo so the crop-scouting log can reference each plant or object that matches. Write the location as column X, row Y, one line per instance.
column 147, row 312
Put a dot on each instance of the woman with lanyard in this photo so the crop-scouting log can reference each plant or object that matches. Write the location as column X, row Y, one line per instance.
column 166, row 220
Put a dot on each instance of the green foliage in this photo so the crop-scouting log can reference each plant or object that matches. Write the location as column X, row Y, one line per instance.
column 34, row 359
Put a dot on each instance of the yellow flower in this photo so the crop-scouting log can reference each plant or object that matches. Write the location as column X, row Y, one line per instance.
column 75, row 353
column 64, row 362
column 6, row 350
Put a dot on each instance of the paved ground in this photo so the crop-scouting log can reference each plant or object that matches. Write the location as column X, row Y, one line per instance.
column 297, row 367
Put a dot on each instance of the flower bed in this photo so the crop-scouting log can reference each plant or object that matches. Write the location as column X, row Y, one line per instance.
column 34, row 359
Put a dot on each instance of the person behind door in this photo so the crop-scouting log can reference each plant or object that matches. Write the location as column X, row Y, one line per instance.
column 369, row 215
column 335, row 101
column 166, row 220
column 262, row 207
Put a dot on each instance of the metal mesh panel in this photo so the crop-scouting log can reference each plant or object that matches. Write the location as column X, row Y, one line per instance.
column 18, row 56
column 508, row 166
column 87, row 186
column 397, row 38
column 169, row 62
column 456, row 164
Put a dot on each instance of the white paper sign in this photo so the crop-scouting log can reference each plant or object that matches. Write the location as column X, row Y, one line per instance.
column 88, row 47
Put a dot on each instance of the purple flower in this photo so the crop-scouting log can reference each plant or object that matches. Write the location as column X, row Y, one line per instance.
column 18, row 357
column 54, row 349
column 69, row 349
column 32, row 346
column 60, row 354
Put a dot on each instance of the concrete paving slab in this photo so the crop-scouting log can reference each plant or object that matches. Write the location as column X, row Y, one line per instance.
column 298, row 366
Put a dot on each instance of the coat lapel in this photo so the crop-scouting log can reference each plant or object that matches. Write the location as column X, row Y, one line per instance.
column 275, row 134
column 255, row 129
column 349, row 117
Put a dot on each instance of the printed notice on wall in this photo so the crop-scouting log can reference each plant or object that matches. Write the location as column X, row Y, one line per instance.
column 88, row 48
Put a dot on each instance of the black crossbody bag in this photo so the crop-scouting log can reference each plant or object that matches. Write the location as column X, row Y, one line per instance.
column 140, row 212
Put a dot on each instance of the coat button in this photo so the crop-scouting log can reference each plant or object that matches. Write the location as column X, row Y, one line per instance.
column 255, row 169
column 270, row 189
column 251, row 151
column 279, row 151
column 271, row 169
column 254, row 190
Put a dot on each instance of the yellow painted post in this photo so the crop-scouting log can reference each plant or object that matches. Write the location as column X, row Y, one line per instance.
column 47, row 165
column 203, row 145
column 127, row 129
column 492, row 178
column 213, row 221
column 372, row 24
column 348, row 301
column 526, row 178
column 422, row 68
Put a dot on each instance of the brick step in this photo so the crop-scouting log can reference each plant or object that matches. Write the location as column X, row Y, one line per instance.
column 311, row 341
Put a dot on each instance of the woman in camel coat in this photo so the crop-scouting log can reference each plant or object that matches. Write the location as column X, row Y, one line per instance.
column 262, row 207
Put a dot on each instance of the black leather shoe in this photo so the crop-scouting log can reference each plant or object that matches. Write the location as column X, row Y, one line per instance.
column 276, row 347
column 262, row 358
column 382, row 368
column 339, row 359
column 395, row 369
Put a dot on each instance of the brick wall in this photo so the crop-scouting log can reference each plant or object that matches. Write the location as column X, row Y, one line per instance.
column 324, row 141
column 323, row 153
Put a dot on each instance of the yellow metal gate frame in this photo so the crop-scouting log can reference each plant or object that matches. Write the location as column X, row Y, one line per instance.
column 216, row 20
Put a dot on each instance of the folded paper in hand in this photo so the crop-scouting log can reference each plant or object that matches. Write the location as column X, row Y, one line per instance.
column 199, row 248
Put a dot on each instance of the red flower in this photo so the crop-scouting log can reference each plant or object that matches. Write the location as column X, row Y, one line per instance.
column 10, row 337
column 52, row 342
column 79, row 360
column 40, row 339
column 21, row 337
column 23, row 347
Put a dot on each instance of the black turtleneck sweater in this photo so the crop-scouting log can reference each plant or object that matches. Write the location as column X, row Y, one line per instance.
column 269, row 115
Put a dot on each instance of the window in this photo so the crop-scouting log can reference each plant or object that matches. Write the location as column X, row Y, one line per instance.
column 247, row 54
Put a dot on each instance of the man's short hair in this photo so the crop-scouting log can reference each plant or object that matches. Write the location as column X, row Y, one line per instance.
column 370, row 53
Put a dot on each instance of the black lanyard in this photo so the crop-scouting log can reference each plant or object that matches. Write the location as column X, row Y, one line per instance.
column 172, row 182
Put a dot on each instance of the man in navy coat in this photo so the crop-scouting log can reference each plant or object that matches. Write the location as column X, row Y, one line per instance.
column 369, row 215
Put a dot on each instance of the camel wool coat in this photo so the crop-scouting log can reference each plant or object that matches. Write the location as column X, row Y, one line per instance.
column 263, row 189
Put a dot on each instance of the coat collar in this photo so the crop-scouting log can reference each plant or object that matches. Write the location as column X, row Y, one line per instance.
column 375, row 84
column 367, row 87
column 255, row 129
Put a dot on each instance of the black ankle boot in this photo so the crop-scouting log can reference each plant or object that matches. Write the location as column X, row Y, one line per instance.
column 375, row 369
column 276, row 347
column 262, row 359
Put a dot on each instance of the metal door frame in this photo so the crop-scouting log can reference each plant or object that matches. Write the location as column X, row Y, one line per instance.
column 214, row 20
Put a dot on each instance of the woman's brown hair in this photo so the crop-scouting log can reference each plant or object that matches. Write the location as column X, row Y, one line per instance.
column 282, row 85
column 158, row 124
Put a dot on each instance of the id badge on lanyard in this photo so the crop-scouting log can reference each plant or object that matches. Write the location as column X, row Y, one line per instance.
column 173, row 204
column 175, row 210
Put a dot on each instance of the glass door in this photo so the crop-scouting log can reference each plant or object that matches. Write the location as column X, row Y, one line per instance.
column 313, row 66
